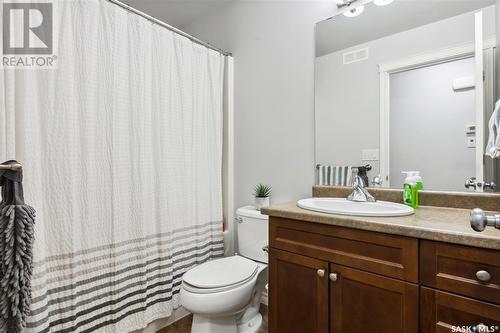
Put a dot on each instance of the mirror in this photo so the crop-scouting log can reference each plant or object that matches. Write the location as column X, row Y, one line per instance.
column 397, row 88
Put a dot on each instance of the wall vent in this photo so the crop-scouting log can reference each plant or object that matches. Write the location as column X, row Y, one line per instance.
column 356, row 55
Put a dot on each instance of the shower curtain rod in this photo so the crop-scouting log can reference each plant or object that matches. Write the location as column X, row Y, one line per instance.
column 169, row 27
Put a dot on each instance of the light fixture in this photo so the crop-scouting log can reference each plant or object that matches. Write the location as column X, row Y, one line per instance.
column 382, row 2
column 353, row 12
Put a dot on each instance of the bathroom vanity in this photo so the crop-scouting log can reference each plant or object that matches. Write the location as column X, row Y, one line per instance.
column 429, row 272
column 389, row 102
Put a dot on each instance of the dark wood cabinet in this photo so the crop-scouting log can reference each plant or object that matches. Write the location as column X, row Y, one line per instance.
column 387, row 255
column 367, row 302
column 334, row 279
column 442, row 312
column 298, row 293
column 461, row 270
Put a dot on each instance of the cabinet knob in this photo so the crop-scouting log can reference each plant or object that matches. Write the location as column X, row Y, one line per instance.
column 333, row 276
column 321, row 272
column 483, row 276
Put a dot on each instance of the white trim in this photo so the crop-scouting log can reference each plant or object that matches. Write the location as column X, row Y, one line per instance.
column 489, row 105
column 434, row 57
column 479, row 59
column 228, row 161
column 421, row 60
column 384, row 127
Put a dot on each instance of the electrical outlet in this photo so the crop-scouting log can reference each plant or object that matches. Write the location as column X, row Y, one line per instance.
column 471, row 142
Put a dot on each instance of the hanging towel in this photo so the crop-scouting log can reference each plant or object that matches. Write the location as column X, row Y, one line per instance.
column 328, row 175
column 493, row 146
column 16, row 252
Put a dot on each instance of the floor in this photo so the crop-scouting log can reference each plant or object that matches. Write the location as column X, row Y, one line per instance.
column 184, row 325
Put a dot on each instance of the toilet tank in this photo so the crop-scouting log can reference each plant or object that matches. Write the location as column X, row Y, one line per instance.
column 252, row 233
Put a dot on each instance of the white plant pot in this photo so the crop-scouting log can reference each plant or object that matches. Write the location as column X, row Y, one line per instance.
column 261, row 202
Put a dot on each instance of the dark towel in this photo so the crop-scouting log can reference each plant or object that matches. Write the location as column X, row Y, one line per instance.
column 16, row 252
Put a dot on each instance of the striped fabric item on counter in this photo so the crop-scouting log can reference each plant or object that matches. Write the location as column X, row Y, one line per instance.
column 329, row 175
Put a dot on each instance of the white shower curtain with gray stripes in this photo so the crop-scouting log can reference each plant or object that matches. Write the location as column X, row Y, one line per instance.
column 122, row 150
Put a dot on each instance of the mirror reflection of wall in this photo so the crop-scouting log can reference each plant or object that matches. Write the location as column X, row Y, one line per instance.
column 428, row 120
column 403, row 96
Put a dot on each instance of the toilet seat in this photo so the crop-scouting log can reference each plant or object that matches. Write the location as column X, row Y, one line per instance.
column 221, row 300
column 220, row 275
column 224, row 294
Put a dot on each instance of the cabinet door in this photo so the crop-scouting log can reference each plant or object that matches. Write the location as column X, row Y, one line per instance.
column 442, row 312
column 298, row 293
column 367, row 302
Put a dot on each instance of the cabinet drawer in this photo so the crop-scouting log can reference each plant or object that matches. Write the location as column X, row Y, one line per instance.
column 441, row 312
column 387, row 255
column 458, row 269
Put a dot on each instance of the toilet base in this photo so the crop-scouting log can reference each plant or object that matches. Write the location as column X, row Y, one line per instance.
column 202, row 324
column 251, row 326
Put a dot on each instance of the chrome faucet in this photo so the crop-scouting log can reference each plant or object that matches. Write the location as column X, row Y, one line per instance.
column 359, row 191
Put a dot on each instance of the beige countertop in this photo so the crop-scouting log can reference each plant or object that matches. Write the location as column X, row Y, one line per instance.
column 449, row 225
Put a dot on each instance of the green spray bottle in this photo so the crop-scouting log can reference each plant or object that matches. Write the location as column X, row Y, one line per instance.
column 413, row 183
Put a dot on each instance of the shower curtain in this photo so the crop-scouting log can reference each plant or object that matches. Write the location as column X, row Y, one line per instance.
column 122, row 150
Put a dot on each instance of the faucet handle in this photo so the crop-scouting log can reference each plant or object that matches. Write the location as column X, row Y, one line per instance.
column 377, row 181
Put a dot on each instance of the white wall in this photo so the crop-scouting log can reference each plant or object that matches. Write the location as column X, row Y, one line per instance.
column 355, row 87
column 273, row 47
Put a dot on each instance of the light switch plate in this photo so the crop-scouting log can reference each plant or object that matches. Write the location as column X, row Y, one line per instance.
column 470, row 129
column 370, row 155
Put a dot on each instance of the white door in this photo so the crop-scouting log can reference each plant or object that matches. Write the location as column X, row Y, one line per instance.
column 428, row 122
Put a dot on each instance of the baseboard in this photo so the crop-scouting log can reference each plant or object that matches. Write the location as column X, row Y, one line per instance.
column 159, row 324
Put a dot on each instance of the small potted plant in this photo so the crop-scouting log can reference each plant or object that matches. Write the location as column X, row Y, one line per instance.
column 262, row 193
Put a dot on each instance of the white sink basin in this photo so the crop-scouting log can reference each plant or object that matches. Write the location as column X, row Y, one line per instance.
column 345, row 207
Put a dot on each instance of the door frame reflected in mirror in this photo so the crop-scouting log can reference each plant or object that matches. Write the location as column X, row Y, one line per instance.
column 386, row 69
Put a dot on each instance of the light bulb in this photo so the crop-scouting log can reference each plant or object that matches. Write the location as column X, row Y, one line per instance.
column 353, row 12
column 382, row 2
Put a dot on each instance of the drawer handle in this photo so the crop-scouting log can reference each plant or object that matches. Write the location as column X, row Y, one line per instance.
column 333, row 277
column 483, row 276
column 321, row 273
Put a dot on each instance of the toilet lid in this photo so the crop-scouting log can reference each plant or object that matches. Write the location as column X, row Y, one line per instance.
column 221, row 272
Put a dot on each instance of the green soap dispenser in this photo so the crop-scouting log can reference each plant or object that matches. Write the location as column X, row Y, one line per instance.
column 413, row 183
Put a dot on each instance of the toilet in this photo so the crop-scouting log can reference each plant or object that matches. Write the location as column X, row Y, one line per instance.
column 224, row 294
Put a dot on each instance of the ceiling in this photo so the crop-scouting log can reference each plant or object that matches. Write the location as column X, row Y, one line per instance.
column 178, row 13
column 340, row 32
